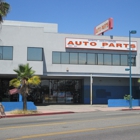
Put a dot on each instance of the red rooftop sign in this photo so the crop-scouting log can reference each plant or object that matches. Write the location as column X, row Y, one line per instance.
column 103, row 27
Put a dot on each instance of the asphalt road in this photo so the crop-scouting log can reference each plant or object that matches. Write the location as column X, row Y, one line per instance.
column 97, row 125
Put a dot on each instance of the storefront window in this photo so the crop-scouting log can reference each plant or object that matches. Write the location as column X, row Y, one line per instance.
column 124, row 60
column 133, row 60
column 34, row 54
column 0, row 53
column 56, row 58
column 91, row 59
column 56, row 91
column 107, row 59
column 53, row 91
column 4, row 91
column 73, row 58
column 6, row 53
column 82, row 58
column 116, row 59
column 64, row 58
column 100, row 59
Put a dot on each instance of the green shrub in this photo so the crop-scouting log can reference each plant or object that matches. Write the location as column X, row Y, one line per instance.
column 127, row 97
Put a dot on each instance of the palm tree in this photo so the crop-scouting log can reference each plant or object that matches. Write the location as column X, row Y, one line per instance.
column 4, row 9
column 25, row 79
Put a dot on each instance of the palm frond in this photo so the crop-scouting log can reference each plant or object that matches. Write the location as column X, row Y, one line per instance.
column 34, row 80
column 4, row 9
column 17, row 71
column 24, row 71
column 25, row 76
column 14, row 82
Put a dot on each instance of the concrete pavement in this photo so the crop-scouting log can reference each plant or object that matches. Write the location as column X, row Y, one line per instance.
column 64, row 109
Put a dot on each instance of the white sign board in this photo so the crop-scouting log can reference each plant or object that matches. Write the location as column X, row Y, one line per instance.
column 100, row 44
column 103, row 27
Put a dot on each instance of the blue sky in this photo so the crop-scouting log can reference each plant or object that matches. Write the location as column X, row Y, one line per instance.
column 79, row 16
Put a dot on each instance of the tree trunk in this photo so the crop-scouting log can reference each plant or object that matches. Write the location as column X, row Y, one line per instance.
column 24, row 91
column 24, row 101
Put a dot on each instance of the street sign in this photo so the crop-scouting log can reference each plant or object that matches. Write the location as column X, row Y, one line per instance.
column 127, row 69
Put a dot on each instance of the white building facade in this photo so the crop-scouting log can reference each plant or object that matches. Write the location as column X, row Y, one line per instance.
column 73, row 68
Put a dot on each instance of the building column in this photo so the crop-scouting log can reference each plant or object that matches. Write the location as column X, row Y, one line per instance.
column 91, row 81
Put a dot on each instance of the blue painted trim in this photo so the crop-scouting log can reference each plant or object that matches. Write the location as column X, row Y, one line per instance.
column 20, row 97
column 122, row 103
column 9, row 106
column 95, row 101
column 102, row 93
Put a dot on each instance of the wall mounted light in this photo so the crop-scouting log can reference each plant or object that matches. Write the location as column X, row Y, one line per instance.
column 67, row 69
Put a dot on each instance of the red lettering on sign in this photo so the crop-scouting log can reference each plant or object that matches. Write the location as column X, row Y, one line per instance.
column 70, row 43
column 111, row 45
column 78, row 43
column 125, row 45
column 93, row 43
column 97, row 44
column 133, row 46
column 85, row 43
column 104, row 44
column 119, row 45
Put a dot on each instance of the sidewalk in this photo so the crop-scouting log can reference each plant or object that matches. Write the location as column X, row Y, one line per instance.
column 64, row 109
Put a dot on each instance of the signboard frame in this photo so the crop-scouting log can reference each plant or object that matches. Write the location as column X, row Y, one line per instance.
column 100, row 44
column 103, row 27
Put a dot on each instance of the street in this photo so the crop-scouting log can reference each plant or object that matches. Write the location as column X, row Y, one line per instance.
column 97, row 125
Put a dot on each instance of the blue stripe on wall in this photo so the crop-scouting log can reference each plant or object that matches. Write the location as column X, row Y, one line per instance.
column 101, row 94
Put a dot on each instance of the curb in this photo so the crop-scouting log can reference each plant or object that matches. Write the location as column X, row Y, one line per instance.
column 38, row 114
column 130, row 109
column 55, row 113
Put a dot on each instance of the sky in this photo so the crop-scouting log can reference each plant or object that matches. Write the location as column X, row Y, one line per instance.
column 79, row 16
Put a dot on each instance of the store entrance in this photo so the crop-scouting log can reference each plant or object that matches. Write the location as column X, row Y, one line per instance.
column 57, row 92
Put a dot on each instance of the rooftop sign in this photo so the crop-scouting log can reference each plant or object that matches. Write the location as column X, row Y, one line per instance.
column 103, row 27
column 100, row 44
